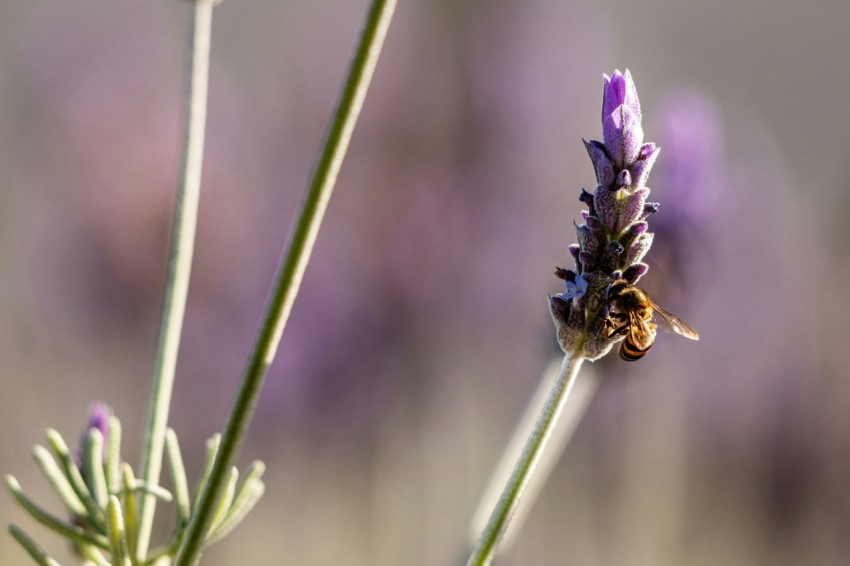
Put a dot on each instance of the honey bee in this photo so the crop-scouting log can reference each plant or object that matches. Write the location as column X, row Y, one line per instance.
column 634, row 314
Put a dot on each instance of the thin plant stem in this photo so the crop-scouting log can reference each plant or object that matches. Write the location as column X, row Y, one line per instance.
column 179, row 261
column 580, row 396
column 291, row 269
column 484, row 550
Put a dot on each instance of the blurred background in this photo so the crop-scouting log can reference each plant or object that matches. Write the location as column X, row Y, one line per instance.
column 422, row 327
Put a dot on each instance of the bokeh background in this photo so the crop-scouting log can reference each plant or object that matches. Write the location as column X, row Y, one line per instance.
column 422, row 327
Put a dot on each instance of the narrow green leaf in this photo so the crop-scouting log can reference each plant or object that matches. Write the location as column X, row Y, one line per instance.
column 178, row 474
column 33, row 549
column 113, row 455
column 246, row 497
column 226, row 498
column 212, row 450
column 94, row 466
column 94, row 557
column 72, row 473
column 155, row 490
column 115, row 530
column 130, row 511
column 250, row 494
column 68, row 531
column 58, row 480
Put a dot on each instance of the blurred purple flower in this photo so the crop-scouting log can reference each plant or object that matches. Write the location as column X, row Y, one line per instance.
column 691, row 180
column 692, row 176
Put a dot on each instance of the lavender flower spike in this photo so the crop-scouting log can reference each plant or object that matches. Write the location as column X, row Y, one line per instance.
column 614, row 239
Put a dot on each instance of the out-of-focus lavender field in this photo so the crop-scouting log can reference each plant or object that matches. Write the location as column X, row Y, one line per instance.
column 422, row 326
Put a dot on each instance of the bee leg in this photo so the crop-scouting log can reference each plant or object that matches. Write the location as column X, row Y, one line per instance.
column 612, row 329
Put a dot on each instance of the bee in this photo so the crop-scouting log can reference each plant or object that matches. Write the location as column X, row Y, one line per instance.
column 634, row 314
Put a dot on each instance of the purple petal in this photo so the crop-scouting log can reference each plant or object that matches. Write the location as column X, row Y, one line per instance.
column 613, row 92
column 631, row 99
column 624, row 179
column 617, row 90
column 650, row 208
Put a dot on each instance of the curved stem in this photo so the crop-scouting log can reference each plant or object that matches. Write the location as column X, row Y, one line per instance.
column 291, row 270
column 508, row 502
column 179, row 262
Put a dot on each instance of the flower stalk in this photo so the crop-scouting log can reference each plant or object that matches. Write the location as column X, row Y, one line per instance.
column 291, row 271
column 509, row 501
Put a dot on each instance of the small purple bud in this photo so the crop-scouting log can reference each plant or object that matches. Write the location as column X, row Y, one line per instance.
column 574, row 249
column 633, row 232
column 650, row 208
column 601, row 162
column 635, row 272
column 619, row 89
column 584, row 214
column 586, row 198
column 624, row 179
column 646, row 159
column 621, row 129
column 587, row 260
column 638, row 249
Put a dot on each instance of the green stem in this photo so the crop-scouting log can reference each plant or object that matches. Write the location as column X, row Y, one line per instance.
column 509, row 501
column 291, row 270
column 179, row 262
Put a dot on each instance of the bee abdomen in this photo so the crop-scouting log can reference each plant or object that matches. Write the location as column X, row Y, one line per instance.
column 630, row 352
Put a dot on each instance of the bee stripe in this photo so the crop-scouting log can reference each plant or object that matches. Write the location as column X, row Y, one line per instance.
column 630, row 352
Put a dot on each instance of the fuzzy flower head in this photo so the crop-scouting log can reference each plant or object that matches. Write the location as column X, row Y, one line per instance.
column 614, row 237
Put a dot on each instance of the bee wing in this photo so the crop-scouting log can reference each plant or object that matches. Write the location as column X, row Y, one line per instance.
column 672, row 323
column 641, row 333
